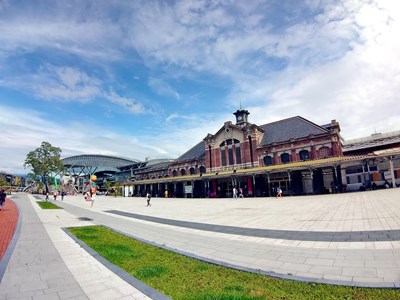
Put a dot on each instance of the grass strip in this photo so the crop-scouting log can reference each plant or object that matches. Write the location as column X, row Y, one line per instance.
column 181, row 277
column 47, row 205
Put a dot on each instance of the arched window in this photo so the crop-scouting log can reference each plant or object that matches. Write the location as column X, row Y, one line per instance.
column 174, row 173
column 192, row 171
column 304, row 155
column 325, row 152
column 267, row 160
column 285, row 158
column 202, row 169
column 234, row 153
column 183, row 172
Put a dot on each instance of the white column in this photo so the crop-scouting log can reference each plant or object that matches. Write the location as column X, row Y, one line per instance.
column 392, row 171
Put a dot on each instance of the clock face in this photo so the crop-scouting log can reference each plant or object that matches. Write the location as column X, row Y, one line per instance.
column 240, row 118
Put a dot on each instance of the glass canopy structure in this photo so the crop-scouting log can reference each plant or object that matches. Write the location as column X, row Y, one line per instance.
column 105, row 167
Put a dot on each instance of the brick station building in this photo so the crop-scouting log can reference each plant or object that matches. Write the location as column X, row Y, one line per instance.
column 296, row 154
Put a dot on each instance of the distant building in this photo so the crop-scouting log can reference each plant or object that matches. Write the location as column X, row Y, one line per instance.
column 295, row 154
column 380, row 165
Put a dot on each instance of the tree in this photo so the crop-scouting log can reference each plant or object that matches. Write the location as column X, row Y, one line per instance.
column 107, row 184
column 3, row 181
column 44, row 161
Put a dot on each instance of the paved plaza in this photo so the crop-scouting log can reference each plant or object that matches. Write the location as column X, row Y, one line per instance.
column 350, row 239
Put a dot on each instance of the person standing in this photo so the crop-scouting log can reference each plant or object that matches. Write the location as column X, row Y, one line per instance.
column 240, row 193
column 62, row 195
column 3, row 197
column 148, row 198
column 47, row 196
column 55, row 195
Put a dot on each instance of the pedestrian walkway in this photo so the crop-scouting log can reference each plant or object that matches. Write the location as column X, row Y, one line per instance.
column 35, row 268
column 8, row 222
column 349, row 239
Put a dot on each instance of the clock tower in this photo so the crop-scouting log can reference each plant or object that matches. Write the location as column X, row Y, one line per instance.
column 241, row 117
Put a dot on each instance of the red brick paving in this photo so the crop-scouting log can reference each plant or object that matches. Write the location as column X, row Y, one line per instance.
column 8, row 222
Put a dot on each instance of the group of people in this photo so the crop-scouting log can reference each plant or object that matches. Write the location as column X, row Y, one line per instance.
column 55, row 194
column 237, row 193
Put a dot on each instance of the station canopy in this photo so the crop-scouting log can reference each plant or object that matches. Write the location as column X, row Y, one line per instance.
column 91, row 163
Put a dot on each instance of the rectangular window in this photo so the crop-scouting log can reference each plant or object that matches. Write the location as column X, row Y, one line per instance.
column 223, row 156
column 238, row 156
column 230, row 153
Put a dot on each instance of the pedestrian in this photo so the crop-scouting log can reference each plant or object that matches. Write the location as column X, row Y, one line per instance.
column 55, row 195
column 3, row 197
column 62, row 195
column 234, row 191
column 278, row 192
column 166, row 194
column 240, row 193
column 148, row 198
column 47, row 196
column 92, row 198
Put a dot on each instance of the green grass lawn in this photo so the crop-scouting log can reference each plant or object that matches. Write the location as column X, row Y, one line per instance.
column 47, row 205
column 181, row 277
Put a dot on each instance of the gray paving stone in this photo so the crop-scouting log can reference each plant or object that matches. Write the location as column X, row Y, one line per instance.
column 349, row 263
column 53, row 296
column 359, row 272
column 319, row 261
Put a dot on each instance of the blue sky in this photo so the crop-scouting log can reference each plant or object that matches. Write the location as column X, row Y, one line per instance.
column 151, row 78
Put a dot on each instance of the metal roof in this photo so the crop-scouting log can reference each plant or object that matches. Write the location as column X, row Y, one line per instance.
column 376, row 139
column 291, row 128
column 96, row 160
column 198, row 151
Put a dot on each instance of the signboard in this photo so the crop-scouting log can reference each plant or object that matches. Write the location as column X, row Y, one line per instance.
column 188, row 189
column 388, row 175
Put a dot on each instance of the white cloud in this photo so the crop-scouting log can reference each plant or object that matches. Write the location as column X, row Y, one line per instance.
column 163, row 88
column 129, row 105
column 64, row 30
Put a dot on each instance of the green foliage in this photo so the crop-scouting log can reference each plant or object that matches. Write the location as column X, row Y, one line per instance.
column 181, row 277
column 3, row 182
column 117, row 190
column 107, row 184
column 44, row 160
column 47, row 205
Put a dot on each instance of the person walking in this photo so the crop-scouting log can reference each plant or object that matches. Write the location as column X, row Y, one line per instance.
column 278, row 192
column 240, row 193
column 3, row 197
column 92, row 199
column 62, row 195
column 234, row 192
column 148, row 198
column 55, row 195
